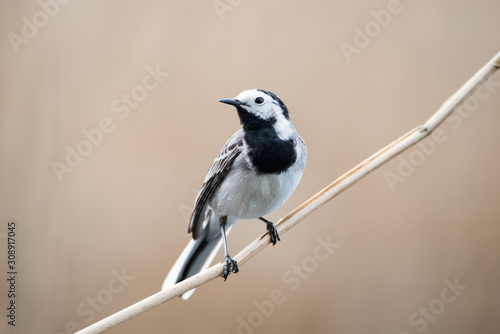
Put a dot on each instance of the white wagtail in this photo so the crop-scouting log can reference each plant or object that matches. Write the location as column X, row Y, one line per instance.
column 256, row 171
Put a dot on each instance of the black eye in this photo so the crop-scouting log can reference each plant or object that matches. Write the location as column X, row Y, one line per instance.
column 259, row 100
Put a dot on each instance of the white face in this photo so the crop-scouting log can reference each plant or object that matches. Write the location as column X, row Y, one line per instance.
column 260, row 104
column 265, row 107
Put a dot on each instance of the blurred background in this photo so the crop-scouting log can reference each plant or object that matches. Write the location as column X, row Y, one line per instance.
column 109, row 121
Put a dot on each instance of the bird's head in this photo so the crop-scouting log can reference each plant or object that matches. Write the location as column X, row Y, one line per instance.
column 259, row 108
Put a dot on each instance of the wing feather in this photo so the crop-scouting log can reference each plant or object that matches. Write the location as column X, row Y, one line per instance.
column 218, row 171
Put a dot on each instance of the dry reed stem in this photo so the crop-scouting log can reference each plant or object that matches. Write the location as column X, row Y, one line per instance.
column 316, row 201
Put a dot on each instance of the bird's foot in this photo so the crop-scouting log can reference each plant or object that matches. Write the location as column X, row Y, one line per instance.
column 273, row 231
column 231, row 266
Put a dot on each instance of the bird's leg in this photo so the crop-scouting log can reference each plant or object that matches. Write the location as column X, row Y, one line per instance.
column 231, row 265
column 273, row 232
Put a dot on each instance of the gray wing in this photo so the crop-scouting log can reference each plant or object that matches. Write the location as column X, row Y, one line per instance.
column 214, row 178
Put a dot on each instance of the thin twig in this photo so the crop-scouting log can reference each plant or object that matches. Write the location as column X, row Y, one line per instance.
column 316, row 201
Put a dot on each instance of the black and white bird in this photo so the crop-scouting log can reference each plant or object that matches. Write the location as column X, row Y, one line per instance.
column 257, row 170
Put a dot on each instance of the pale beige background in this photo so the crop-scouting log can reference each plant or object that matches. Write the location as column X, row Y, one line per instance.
column 124, row 206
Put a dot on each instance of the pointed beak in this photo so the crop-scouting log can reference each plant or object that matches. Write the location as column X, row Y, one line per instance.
column 233, row 102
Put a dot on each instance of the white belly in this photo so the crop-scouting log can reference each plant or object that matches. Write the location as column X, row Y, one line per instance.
column 246, row 195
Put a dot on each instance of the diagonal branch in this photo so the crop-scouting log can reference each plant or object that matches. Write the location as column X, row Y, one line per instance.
column 316, row 201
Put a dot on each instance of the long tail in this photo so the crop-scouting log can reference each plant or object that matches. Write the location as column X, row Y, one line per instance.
column 196, row 257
